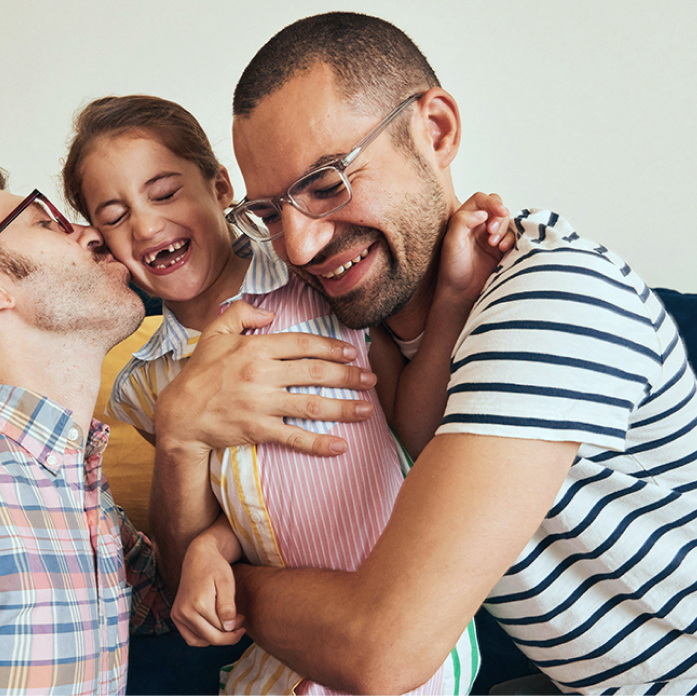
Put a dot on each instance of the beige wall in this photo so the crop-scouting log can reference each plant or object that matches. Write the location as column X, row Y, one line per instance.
column 587, row 107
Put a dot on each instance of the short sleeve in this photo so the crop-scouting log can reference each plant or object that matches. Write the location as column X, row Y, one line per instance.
column 132, row 399
column 559, row 347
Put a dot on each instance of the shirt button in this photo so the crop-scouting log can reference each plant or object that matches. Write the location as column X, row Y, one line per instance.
column 73, row 434
column 51, row 460
column 256, row 517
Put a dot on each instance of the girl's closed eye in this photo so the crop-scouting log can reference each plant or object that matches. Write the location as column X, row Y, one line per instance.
column 166, row 196
column 112, row 220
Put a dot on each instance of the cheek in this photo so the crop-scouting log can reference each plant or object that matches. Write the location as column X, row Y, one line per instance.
column 119, row 245
column 279, row 246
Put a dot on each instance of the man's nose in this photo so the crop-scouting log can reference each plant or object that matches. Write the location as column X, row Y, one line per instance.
column 87, row 236
column 303, row 237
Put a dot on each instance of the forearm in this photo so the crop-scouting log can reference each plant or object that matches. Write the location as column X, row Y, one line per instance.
column 221, row 539
column 182, row 505
column 421, row 390
column 463, row 515
column 320, row 623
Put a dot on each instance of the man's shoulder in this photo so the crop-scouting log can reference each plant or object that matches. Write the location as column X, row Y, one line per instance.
column 550, row 254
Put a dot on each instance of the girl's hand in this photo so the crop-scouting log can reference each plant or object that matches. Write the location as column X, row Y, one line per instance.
column 478, row 235
column 204, row 609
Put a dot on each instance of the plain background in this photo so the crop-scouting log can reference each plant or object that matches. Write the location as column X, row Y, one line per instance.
column 587, row 107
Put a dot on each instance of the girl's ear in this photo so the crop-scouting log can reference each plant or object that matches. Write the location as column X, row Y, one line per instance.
column 223, row 188
column 441, row 123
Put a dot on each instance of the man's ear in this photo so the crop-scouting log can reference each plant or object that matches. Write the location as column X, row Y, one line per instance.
column 223, row 188
column 441, row 119
column 7, row 297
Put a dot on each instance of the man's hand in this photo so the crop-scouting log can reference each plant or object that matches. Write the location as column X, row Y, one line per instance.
column 233, row 389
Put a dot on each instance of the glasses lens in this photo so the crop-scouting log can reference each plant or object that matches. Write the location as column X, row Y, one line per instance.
column 257, row 219
column 321, row 192
column 53, row 213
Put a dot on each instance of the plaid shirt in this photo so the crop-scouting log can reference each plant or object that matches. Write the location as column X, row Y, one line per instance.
column 66, row 552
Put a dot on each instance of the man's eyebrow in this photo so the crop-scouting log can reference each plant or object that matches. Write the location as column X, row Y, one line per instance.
column 36, row 205
column 322, row 161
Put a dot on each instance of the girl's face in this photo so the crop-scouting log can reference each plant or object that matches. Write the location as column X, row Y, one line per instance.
column 158, row 214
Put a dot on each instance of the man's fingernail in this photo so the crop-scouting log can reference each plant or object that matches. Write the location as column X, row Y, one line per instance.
column 337, row 446
column 349, row 352
column 229, row 625
column 367, row 378
column 495, row 239
column 494, row 226
column 363, row 409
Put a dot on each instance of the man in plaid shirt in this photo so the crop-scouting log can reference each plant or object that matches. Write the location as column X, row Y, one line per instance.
column 72, row 568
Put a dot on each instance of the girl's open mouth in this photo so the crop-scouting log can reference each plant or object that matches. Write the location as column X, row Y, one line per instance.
column 167, row 256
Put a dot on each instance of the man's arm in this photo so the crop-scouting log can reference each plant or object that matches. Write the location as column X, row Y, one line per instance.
column 465, row 512
column 233, row 391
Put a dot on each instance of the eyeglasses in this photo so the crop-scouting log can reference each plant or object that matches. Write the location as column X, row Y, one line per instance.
column 50, row 209
column 317, row 194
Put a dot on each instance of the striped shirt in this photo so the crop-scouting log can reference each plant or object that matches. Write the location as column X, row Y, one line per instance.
column 566, row 343
column 66, row 593
column 290, row 509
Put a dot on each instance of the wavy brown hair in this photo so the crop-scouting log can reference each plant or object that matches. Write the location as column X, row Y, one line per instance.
column 137, row 114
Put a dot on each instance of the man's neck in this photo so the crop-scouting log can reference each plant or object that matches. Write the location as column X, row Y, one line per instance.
column 64, row 368
column 410, row 321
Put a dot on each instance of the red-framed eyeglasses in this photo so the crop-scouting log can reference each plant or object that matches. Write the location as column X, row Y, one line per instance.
column 36, row 195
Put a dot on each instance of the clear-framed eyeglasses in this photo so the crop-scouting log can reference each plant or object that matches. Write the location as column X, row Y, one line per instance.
column 51, row 211
column 317, row 194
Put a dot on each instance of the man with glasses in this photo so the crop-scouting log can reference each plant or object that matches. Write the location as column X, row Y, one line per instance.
column 70, row 563
column 560, row 486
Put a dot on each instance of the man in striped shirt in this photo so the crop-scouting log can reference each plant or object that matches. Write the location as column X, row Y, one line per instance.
column 560, row 487
column 73, row 571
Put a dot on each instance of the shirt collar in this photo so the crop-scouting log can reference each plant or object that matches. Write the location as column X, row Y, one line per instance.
column 43, row 427
column 266, row 273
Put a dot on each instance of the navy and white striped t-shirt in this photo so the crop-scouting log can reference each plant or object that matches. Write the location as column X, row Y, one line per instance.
column 566, row 343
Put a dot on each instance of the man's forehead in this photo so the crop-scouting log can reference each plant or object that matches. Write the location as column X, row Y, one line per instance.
column 8, row 202
column 304, row 123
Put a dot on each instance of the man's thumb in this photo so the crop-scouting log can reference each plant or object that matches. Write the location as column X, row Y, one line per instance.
column 238, row 316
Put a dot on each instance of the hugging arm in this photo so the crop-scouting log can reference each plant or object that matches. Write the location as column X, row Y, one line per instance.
column 464, row 513
column 233, row 391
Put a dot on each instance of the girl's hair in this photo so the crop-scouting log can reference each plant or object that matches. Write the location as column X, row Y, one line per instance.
column 138, row 115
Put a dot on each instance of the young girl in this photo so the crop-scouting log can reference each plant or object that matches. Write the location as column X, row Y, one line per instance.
column 142, row 171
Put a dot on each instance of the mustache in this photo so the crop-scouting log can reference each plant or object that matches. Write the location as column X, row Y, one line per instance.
column 101, row 253
column 348, row 239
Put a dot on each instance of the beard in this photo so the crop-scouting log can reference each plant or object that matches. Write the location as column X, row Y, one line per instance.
column 414, row 223
column 91, row 299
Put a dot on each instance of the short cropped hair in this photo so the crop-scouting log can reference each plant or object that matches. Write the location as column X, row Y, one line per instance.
column 376, row 65
column 3, row 179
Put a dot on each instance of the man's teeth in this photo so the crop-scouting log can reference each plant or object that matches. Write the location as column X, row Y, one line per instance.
column 338, row 272
column 149, row 258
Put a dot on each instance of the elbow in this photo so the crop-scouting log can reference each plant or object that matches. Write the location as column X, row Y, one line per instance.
column 391, row 674
column 385, row 661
